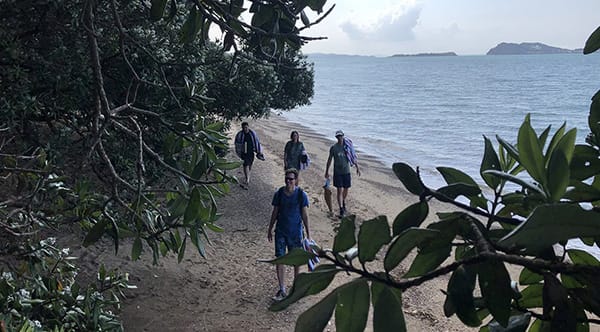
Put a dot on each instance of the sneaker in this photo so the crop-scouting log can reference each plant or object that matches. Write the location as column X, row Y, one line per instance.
column 341, row 213
column 280, row 295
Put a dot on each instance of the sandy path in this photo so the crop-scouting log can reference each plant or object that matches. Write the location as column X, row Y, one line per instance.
column 231, row 291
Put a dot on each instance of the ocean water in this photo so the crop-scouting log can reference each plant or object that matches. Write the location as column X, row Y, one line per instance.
column 434, row 111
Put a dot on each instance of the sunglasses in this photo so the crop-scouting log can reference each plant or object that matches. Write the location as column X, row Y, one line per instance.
column 290, row 179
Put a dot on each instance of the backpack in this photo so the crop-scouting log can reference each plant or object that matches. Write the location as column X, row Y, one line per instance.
column 300, row 196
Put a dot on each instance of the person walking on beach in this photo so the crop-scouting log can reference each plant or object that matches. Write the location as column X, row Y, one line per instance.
column 291, row 218
column 343, row 155
column 294, row 154
column 246, row 144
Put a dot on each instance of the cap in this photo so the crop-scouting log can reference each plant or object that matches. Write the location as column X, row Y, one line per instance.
column 339, row 133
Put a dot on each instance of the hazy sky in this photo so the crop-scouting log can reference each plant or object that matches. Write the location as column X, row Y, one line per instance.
column 386, row 27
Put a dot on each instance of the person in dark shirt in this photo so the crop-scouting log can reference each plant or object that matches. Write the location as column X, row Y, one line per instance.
column 246, row 145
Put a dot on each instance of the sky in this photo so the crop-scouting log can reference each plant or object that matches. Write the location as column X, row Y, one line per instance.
column 466, row 27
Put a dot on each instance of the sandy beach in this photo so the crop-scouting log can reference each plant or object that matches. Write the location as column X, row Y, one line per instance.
column 231, row 290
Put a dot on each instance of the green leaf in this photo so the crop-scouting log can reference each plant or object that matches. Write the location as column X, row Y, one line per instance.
column 352, row 307
column 263, row 14
column 590, row 298
column 532, row 296
column 514, row 179
column 193, row 207
column 530, row 152
column 181, row 250
column 157, row 10
column 490, row 162
column 528, row 277
column 226, row 166
column 544, row 136
column 494, row 283
column 557, row 136
column 594, row 116
column 582, row 257
column 550, row 224
column 460, row 294
column 387, row 309
column 457, row 189
column 317, row 316
column 426, row 261
column 296, row 257
column 412, row 216
column 510, row 149
column 567, row 144
column 592, row 44
column 585, row 162
column 136, row 249
column 345, row 238
column 558, row 175
column 177, row 206
column 582, row 192
column 214, row 228
column 373, row 234
column 316, row 5
column 453, row 175
column 408, row 177
column 196, row 241
column 307, row 284
column 405, row 243
column 96, row 232
column 191, row 26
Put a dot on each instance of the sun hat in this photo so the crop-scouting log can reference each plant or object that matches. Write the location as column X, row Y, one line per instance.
column 339, row 133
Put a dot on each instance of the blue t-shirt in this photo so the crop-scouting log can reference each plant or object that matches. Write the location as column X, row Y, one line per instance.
column 289, row 219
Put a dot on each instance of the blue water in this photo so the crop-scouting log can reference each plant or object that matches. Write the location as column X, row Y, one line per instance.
column 433, row 111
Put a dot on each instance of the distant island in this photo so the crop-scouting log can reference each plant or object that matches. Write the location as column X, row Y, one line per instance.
column 426, row 54
column 528, row 48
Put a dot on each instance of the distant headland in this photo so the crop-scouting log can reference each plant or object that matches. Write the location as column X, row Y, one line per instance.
column 427, row 54
column 528, row 48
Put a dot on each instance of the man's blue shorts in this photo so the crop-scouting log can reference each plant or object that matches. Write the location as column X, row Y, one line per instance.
column 283, row 242
column 342, row 180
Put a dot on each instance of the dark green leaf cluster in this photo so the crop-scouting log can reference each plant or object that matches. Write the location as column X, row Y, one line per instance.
column 114, row 116
column 42, row 295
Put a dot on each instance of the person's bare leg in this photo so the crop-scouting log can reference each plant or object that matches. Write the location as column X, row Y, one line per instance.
column 248, row 177
column 281, row 276
column 340, row 196
column 344, row 195
column 247, row 170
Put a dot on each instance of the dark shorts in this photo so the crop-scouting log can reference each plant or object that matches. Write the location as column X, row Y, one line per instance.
column 283, row 242
column 342, row 180
column 248, row 159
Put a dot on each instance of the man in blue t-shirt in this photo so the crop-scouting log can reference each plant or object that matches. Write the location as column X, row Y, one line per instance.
column 289, row 211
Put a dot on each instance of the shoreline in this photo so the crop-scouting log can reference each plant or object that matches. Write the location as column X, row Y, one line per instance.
column 430, row 176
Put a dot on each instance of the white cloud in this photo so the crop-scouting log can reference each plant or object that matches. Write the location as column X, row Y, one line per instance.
column 392, row 27
column 385, row 27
